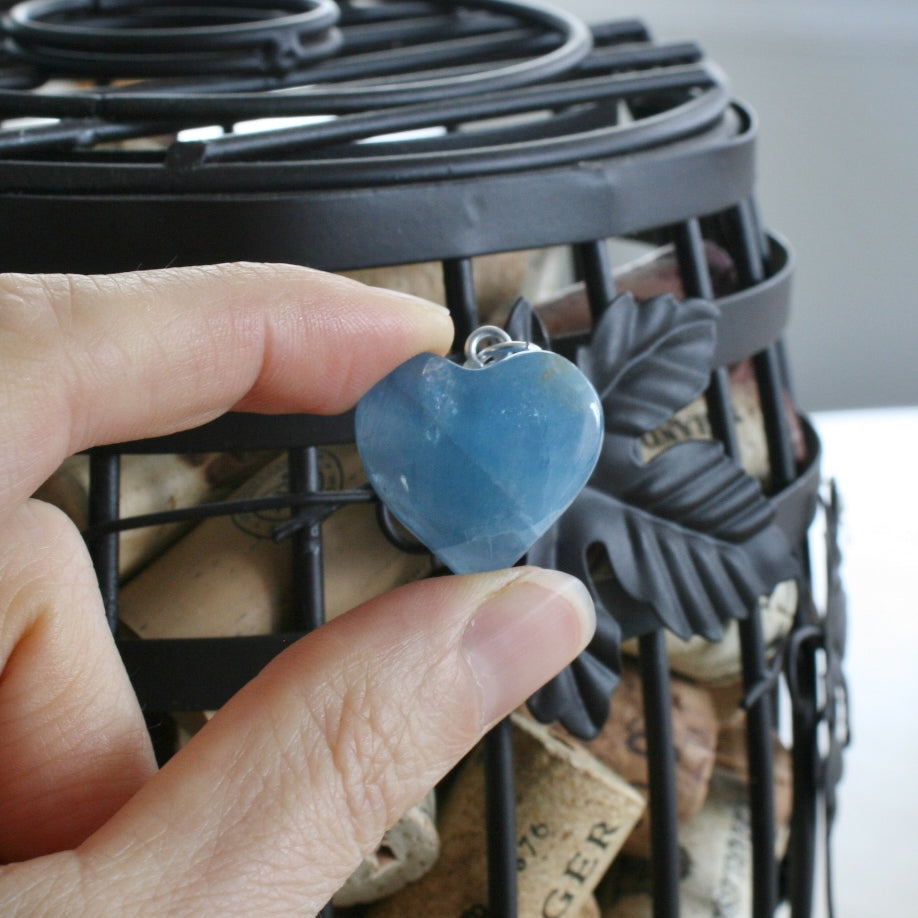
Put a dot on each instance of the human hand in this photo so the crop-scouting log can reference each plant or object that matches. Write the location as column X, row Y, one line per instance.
column 273, row 804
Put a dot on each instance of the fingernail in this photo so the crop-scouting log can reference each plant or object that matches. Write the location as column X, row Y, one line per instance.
column 524, row 635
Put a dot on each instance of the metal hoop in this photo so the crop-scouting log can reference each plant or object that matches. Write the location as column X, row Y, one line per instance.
column 270, row 36
column 479, row 354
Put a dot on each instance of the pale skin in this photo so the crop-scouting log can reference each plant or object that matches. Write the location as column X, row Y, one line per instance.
column 274, row 803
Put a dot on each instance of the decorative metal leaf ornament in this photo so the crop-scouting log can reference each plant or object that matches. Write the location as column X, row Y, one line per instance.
column 580, row 695
column 837, row 708
column 525, row 324
column 825, row 707
column 648, row 360
column 685, row 540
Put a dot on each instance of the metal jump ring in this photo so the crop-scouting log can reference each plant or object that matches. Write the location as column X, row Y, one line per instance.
column 489, row 343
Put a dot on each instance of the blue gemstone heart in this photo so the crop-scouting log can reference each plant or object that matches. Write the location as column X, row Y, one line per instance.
column 478, row 463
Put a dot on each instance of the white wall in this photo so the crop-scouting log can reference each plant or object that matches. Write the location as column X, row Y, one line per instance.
column 835, row 85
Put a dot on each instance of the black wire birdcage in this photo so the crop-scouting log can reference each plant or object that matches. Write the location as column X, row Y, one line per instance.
column 365, row 133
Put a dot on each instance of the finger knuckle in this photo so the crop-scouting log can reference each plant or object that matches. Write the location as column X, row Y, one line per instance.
column 372, row 751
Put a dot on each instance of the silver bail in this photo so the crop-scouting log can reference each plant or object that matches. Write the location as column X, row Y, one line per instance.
column 489, row 343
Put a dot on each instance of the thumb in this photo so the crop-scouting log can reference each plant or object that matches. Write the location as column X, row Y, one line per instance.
column 272, row 806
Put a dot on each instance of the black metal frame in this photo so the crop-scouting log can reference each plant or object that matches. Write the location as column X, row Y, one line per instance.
column 680, row 168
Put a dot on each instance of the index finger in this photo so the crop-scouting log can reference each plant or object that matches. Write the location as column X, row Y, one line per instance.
column 93, row 360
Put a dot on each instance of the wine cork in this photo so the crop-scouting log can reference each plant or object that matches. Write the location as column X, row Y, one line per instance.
column 150, row 484
column 733, row 758
column 564, row 307
column 497, row 280
column 716, row 863
column 407, row 851
column 229, row 577
column 727, row 698
column 572, row 815
column 498, row 283
column 719, row 663
column 68, row 490
column 622, row 746
column 423, row 279
column 692, row 423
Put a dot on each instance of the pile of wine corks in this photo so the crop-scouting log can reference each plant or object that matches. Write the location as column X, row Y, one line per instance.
column 573, row 815
column 583, row 845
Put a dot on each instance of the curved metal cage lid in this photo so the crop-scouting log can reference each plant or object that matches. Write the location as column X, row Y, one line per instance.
column 561, row 93
column 459, row 125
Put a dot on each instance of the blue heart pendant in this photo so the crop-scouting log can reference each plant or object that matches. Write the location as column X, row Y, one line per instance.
column 479, row 460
